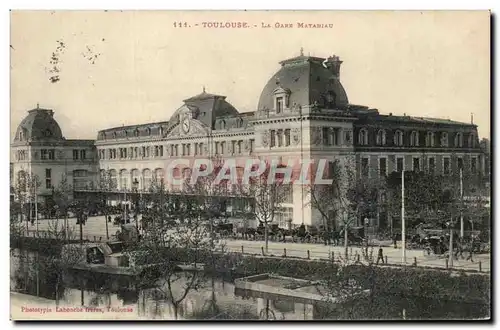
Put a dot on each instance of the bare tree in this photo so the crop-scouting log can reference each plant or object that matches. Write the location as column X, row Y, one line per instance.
column 104, row 186
column 347, row 198
column 63, row 198
column 175, row 222
column 267, row 194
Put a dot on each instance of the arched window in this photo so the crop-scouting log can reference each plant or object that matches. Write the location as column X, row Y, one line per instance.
column 113, row 179
column 459, row 140
column 398, row 138
column 472, row 140
column 414, row 139
column 21, row 135
column 159, row 176
column 136, row 179
column 444, row 139
column 124, row 184
column 363, row 137
column 148, row 131
column 147, row 178
column 429, row 139
column 381, row 137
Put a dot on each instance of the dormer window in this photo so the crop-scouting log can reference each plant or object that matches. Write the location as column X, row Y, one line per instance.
column 363, row 137
column 279, row 104
column 398, row 138
column 160, row 131
column 114, row 135
column 148, row 130
column 472, row 141
column 381, row 137
column 414, row 139
column 136, row 132
column 223, row 124
column 459, row 141
column 444, row 139
column 21, row 135
column 429, row 142
column 281, row 99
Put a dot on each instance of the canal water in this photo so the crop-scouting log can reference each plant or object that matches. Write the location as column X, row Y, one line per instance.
column 217, row 298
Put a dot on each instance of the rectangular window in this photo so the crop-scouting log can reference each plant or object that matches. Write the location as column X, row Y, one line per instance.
column 48, row 178
column 188, row 147
column 157, row 153
column 273, row 138
column 460, row 163
column 365, row 168
column 201, row 148
column 161, row 151
column 280, row 138
column 216, row 148
column 326, row 135
column 416, row 164
column 287, row 137
column 124, row 152
column 52, row 154
column 446, row 165
column 432, row 165
column 75, row 154
column 239, row 146
column 399, row 164
column 473, row 165
column 252, row 143
column 279, row 104
column 222, row 148
column 82, row 154
column 382, row 164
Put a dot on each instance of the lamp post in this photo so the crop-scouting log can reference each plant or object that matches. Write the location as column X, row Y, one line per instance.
column 135, row 185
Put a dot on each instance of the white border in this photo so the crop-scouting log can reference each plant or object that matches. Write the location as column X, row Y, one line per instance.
column 186, row 4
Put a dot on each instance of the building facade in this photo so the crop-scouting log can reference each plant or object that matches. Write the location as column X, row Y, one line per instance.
column 40, row 152
column 303, row 113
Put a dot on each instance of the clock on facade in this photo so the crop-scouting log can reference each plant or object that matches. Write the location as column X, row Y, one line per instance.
column 186, row 125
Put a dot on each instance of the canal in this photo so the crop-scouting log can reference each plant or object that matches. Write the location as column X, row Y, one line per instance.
column 217, row 298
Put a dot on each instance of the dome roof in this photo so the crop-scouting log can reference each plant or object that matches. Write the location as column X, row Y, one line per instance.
column 308, row 80
column 38, row 125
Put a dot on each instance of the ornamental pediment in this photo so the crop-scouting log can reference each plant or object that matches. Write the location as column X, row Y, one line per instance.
column 186, row 127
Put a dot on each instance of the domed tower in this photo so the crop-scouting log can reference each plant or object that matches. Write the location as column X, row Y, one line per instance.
column 40, row 151
column 38, row 125
column 305, row 81
column 304, row 115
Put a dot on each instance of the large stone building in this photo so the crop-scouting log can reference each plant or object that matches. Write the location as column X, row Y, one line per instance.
column 303, row 113
column 40, row 151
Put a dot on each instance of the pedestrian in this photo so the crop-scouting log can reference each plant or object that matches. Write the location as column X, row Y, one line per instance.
column 395, row 240
column 380, row 255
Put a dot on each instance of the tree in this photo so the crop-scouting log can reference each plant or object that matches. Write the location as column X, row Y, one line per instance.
column 105, row 185
column 176, row 223
column 63, row 198
column 347, row 197
column 268, row 193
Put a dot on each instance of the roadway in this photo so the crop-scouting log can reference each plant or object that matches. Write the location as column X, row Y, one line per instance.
column 95, row 229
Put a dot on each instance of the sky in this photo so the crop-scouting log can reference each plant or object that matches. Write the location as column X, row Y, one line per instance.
column 434, row 64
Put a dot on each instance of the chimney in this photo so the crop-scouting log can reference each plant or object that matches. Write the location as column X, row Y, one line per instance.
column 333, row 63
